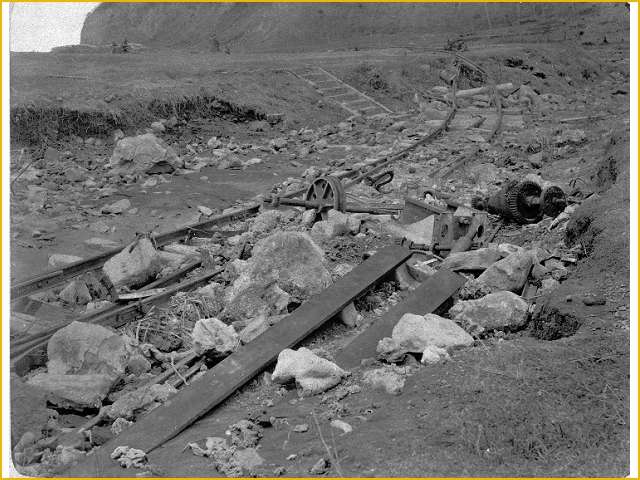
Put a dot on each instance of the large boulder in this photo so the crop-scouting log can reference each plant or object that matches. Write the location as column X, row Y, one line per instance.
column 258, row 301
column 496, row 311
column 510, row 273
column 416, row 333
column 289, row 259
column 134, row 265
column 473, row 260
column 140, row 154
column 76, row 392
column 311, row 373
column 84, row 348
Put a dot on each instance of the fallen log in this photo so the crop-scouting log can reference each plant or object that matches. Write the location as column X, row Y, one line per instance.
column 221, row 381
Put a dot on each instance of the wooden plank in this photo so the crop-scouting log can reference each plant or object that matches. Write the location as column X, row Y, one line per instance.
column 195, row 401
column 426, row 298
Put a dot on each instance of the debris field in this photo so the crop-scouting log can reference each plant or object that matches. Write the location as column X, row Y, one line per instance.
column 437, row 291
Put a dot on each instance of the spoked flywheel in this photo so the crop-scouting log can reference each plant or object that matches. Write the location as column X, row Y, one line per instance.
column 326, row 193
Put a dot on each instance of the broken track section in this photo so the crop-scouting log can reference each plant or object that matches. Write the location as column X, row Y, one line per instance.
column 233, row 372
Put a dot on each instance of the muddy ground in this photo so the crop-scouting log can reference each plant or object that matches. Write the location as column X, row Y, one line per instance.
column 510, row 405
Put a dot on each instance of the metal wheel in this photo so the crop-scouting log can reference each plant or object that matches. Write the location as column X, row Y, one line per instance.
column 326, row 193
column 554, row 201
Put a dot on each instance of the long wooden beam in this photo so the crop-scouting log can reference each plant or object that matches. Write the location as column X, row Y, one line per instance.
column 198, row 399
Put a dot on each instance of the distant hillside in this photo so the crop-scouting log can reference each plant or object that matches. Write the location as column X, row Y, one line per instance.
column 255, row 27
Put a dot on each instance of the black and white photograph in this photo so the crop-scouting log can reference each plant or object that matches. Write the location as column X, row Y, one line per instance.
column 319, row 239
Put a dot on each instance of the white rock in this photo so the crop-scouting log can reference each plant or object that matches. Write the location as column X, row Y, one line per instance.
column 311, row 373
column 212, row 334
column 415, row 333
column 496, row 311
column 60, row 259
column 433, row 354
column 134, row 265
column 385, row 379
column 75, row 293
column 117, row 207
column 341, row 425
column 206, row 211
column 510, row 273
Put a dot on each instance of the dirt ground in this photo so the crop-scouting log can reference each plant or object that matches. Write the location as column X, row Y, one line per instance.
column 510, row 405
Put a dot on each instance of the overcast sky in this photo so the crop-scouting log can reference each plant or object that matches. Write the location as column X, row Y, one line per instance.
column 42, row 26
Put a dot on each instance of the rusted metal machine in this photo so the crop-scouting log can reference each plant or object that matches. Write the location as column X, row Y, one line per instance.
column 523, row 202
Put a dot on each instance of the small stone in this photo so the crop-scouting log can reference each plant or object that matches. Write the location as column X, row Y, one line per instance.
column 117, row 207
column 341, row 425
column 76, row 293
column 206, row 211
column 312, row 373
column 386, row 379
column 301, row 428
column 60, row 259
column 320, row 467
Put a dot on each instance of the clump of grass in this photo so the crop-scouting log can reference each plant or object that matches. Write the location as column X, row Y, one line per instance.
column 34, row 124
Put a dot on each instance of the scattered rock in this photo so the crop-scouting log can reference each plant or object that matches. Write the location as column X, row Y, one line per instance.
column 496, row 311
column 301, row 428
column 350, row 316
column 472, row 260
column 140, row 154
column 290, row 259
column 420, row 271
column 211, row 334
column 206, row 211
column 134, row 265
column 308, row 218
column 255, row 302
column 245, row 434
column 341, row 425
column 129, row 457
column 60, row 259
column 119, row 425
column 311, row 373
column 510, row 273
column 320, row 467
column 325, row 230
column 74, row 391
column 84, row 348
column 76, row 293
column 117, row 207
column 548, row 285
column 415, row 333
column 386, row 379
